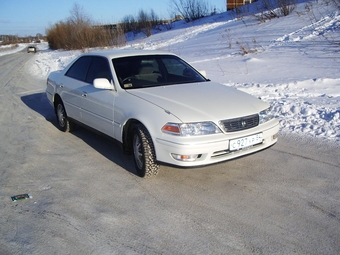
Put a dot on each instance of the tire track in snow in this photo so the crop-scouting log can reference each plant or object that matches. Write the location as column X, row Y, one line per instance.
column 311, row 31
column 187, row 35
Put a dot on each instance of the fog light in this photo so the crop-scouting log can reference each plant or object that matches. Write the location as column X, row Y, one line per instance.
column 275, row 136
column 189, row 158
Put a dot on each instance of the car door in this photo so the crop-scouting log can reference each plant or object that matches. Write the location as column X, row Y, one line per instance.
column 97, row 104
column 71, row 84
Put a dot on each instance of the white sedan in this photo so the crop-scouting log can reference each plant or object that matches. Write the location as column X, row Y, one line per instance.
column 31, row 49
column 160, row 109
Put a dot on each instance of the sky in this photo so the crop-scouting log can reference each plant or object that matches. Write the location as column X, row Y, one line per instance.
column 29, row 17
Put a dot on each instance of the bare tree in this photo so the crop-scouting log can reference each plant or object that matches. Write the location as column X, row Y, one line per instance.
column 144, row 23
column 80, row 32
column 191, row 9
column 154, row 18
column 128, row 23
column 78, row 16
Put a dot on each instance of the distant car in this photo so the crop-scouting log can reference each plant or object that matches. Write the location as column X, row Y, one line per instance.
column 160, row 109
column 31, row 49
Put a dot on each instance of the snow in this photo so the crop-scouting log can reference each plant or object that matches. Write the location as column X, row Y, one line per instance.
column 10, row 49
column 291, row 62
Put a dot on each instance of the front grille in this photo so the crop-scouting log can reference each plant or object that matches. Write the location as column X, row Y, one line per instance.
column 238, row 124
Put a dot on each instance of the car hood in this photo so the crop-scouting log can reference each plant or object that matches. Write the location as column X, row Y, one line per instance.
column 204, row 101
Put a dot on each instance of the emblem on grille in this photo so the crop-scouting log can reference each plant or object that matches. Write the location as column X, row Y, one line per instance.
column 238, row 124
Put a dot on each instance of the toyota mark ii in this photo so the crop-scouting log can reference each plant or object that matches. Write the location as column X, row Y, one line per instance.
column 160, row 109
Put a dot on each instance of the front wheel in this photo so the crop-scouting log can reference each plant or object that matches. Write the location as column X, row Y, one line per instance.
column 144, row 152
column 64, row 124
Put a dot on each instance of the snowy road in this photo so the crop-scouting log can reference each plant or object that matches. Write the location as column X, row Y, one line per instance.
column 87, row 198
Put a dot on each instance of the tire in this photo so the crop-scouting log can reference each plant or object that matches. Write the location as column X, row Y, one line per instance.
column 63, row 123
column 144, row 152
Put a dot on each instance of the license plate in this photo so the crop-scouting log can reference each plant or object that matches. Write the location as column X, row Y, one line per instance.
column 244, row 142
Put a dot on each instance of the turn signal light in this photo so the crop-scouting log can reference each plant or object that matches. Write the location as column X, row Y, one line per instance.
column 171, row 128
column 189, row 158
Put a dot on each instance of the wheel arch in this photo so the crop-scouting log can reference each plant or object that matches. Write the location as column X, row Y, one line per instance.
column 127, row 135
column 152, row 127
column 56, row 99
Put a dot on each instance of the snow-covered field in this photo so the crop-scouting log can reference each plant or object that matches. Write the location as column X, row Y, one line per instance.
column 292, row 62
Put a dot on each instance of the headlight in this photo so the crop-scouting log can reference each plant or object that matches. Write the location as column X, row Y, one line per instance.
column 191, row 129
column 265, row 115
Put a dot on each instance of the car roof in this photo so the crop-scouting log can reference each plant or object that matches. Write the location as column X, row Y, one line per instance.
column 125, row 53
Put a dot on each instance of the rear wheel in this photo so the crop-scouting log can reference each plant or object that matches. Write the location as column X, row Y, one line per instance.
column 64, row 124
column 144, row 152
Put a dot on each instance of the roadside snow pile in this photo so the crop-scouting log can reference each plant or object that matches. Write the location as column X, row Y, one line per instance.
column 291, row 62
column 309, row 107
column 47, row 61
column 10, row 49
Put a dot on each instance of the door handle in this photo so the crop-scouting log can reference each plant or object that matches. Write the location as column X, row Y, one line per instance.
column 84, row 94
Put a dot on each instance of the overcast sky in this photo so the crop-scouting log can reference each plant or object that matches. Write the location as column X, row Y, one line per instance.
column 29, row 17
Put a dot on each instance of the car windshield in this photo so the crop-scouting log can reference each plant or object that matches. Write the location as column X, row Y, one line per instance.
column 155, row 70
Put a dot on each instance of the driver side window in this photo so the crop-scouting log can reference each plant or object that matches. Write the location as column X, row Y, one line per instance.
column 99, row 68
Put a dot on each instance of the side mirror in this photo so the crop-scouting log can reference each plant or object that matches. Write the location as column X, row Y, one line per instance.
column 102, row 83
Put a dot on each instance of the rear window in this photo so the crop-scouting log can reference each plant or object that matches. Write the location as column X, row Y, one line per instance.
column 79, row 68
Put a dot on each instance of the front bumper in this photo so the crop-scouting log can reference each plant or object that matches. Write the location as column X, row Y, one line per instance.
column 215, row 148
